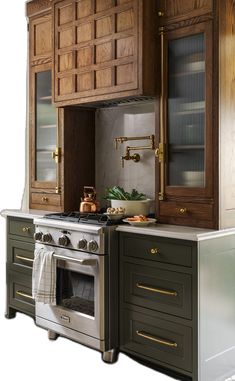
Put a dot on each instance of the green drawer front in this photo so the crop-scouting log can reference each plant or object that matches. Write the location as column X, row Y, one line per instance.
column 19, row 227
column 20, row 292
column 158, row 339
column 156, row 249
column 20, row 256
column 161, row 290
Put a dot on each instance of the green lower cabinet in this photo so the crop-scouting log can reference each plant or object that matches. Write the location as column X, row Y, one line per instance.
column 158, row 339
column 20, row 255
column 20, row 292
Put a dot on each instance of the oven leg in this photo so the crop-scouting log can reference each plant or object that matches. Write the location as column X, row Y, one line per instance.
column 110, row 356
column 52, row 335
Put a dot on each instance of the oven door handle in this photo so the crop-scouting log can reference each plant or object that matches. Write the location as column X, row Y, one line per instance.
column 84, row 262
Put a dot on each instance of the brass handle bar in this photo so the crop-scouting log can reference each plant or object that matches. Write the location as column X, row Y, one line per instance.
column 24, row 294
column 160, row 152
column 145, row 335
column 25, row 229
column 157, row 290
column 24, row 258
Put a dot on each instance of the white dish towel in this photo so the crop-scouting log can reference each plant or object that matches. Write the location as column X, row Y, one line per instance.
column 44, row 276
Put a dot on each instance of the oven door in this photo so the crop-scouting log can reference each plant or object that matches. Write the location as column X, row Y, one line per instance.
column 79, row 293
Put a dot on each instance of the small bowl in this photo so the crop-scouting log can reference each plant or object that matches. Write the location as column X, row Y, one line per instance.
column 140, row 223
column 114, row 216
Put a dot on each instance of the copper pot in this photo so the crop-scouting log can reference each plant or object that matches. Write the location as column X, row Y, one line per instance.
column 89, row 204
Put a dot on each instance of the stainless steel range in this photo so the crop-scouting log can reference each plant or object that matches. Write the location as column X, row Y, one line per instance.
column 86, row 295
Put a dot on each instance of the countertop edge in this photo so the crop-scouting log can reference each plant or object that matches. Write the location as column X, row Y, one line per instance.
column 30, row 213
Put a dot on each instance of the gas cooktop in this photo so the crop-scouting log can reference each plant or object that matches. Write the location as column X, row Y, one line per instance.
column 84, row 218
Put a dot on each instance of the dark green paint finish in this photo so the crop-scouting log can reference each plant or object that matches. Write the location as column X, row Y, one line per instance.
column 19, row 271
column 21, row 283
column 163, row 280
column 16, row 252
column 180, row 356
column 17, row 226
column 169, row 251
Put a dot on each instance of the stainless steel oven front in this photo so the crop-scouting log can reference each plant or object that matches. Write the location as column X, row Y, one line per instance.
column 79, row 312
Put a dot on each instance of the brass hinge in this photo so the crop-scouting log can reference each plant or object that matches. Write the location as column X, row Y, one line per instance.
column 160, row 152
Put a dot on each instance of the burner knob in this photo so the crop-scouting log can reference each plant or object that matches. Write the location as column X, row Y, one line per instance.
column 38, row 236
column 64, row 240
column 92, row 246
column 82, row 244
column 47, row 238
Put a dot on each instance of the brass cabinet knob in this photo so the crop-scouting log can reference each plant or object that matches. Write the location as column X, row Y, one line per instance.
column 44, row 199
column 160, row 13
column 25, row 229
column 154, row 250
column 183, row 210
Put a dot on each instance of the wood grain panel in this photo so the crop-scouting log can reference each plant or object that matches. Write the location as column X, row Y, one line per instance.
column 103, row 27
column 120, row 2
column 125, row 20
column 181, row 9
column 65, row 85
column 103, row 52
column 85, row 57
column 84, row 32
column 125, row 47
column 43, row 40
column 85, row 81
column 102, row 5
column 192, row 210
column 66, row 38
column 104, row 78
column 65, row 61
column 124, row 74
column 66, row 14
column 46, row 199
column 84, row 8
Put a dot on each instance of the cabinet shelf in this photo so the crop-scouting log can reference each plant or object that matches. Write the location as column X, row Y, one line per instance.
column 46, row 98
column 48, row 126
column 187, row 73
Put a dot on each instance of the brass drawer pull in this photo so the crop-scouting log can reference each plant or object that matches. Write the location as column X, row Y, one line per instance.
column 24, row 258
column 154, row 250
column 171, row 344
column 25, row 229
column 157, row 290
column 25, row 295
column 160, row 14
column 44, row 199
column 183, row 210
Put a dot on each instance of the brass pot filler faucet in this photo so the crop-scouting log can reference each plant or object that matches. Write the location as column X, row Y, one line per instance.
column 135, row 157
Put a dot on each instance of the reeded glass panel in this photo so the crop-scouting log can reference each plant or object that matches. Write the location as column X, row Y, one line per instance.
column 186, row 111
column 45, row 128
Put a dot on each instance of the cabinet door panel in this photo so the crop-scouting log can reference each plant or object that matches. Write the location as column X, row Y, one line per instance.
column 41, row 39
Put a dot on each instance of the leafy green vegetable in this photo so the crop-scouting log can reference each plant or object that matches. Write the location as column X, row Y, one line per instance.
column 118, row 193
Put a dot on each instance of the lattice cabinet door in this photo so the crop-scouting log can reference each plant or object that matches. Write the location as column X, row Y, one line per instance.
column 99, row 49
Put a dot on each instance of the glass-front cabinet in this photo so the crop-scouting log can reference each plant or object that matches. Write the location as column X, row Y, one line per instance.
column 45, row 141
column 185, row 149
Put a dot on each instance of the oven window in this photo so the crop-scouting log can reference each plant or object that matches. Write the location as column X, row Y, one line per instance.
column 75, row 291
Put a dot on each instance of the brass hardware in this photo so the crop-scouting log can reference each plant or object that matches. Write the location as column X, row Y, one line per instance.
column 57, row 189
column 157, row 340
column 25, row 229
column 160, row 152
column 136, row 156
column 160, row 13
column 56, row 155
column 155, row 250
column 157, row 290
column 183, row 210
column 44, row 199
column 21, row 293
column 24, row 258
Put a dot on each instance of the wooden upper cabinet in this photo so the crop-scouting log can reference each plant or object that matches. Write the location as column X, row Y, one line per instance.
column 176, row 10
column 40, row 40
column 104, row 49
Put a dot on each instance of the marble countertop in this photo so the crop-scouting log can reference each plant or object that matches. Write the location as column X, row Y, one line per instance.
column 29, row 213
column 159, row 230
column 178, row 232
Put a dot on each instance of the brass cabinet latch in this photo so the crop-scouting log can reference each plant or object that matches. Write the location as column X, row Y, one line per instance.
column 56, row 155
column 160, row 152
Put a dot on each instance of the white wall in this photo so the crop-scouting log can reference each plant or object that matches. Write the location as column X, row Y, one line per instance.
column 26, row 353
